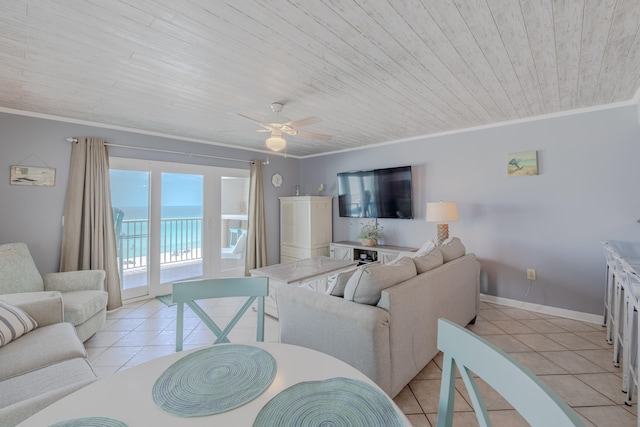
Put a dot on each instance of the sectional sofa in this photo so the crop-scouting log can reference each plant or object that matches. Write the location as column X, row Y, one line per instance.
column 382, row 319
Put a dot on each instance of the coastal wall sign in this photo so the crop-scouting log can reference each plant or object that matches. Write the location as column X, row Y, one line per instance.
column 522, row 164
column 33, row 176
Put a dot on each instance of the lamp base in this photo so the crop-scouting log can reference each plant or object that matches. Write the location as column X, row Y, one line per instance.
column 443, row 233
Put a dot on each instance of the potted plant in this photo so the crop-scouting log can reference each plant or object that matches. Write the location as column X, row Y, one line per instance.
column 370, row 233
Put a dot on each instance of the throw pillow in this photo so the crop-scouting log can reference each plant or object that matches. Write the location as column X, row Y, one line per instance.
column 14, row 322
column 428, row 246
column 428, row 261
column 452, row 248
column 368, row 281
column 399, row 257
column 338, row 281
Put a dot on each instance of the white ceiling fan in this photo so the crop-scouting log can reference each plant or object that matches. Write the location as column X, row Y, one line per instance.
column 279, row 125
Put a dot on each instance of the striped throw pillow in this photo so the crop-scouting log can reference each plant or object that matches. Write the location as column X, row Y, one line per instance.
column 14, row 323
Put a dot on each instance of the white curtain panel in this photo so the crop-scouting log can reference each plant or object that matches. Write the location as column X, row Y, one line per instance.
column 256, row 247
column 88, row 236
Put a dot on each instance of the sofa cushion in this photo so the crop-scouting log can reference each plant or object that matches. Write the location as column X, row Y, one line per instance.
column 69, row 375
column 44, row 307
column 368, row 281
column 18, row 272
column 82, row 305
column 14, row 322
column 452, row 248
column 41, row 347
column 338, row 282
column 428, row 261
column 427, row 247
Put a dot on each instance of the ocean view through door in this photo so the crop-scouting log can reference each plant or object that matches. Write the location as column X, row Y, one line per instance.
column 181, row 227
column 130, row 201
column 175, row 222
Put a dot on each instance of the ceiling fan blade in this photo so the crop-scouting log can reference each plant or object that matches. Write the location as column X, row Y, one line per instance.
column 264, row 130
column 313, row 135
column 249, row 118
column 304, row 122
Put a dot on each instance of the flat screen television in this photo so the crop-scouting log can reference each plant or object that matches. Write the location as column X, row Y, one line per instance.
column 377, row 193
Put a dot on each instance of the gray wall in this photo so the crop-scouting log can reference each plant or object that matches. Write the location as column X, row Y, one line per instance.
column 587, row 190
column 34, row 214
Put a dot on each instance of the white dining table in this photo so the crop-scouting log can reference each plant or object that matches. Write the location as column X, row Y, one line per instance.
column 127, row 395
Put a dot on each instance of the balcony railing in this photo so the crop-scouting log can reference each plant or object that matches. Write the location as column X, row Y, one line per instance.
column 180, row 240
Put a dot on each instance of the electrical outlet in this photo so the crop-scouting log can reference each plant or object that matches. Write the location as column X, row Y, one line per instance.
column 531, row 274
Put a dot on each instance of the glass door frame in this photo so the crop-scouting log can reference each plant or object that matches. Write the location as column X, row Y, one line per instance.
column 211, row 212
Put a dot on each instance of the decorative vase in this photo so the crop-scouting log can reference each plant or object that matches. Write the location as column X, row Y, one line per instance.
column 369, row 242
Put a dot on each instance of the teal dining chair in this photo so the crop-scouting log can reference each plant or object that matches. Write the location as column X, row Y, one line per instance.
column 189, row 291
column 536, row 402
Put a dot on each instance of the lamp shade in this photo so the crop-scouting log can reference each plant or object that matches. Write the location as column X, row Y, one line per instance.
column 442, row 212
column 276, row 143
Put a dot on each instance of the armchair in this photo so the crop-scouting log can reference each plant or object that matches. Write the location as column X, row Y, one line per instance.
column 83, row 295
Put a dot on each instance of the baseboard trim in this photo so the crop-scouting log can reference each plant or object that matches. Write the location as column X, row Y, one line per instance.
column 554, row 311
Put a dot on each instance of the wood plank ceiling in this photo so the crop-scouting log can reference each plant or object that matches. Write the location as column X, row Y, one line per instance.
column 374, row 71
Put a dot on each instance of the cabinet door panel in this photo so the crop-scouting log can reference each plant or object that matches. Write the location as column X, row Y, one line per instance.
column 385, row 257
column 342, row 252
column 301, row 224
column 287, row 221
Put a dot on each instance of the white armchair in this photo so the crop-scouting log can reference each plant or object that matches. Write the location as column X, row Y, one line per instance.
column 83, row 295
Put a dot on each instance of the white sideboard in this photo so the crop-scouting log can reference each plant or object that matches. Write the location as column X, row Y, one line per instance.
column 354, row 251
column 305, row 227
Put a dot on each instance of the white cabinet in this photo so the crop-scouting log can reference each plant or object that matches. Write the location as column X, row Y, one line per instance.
column 354, row 251
column 341, row 252
column 305, row 227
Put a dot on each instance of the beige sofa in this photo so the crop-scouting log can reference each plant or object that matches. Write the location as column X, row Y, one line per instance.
column 42, row 366
column 392, row 339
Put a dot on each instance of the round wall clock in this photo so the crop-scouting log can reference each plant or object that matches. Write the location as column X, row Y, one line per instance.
column 276, row 180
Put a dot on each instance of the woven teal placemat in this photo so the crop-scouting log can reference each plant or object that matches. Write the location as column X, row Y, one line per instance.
column 90, row 422
column 332, row 402
column 214, row 380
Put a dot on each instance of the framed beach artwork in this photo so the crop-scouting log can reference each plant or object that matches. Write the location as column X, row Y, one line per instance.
column 524, row 163
column 33, row 176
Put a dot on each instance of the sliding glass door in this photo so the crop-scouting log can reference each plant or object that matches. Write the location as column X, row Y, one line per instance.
column 176, row 222
column 130, row 199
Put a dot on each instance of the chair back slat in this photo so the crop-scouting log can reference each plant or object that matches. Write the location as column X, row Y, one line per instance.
column 190, row 291
column 533, row 399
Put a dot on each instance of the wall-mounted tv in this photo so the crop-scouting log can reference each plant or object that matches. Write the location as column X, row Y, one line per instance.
column 377, row 193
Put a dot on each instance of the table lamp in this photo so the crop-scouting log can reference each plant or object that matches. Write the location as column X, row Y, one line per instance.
column 442, row 213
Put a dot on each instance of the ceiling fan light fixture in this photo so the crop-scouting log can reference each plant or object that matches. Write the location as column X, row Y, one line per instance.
column 275, row 119
column 276, row 143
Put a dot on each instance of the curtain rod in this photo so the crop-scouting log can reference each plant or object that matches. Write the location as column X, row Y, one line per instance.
column 266, row 162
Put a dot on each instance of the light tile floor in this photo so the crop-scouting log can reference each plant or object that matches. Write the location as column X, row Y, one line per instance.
column 572, row 357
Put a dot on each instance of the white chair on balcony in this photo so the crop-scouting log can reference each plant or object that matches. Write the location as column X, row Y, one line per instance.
column 535, row 401
column 188, row 292
column 237, row 251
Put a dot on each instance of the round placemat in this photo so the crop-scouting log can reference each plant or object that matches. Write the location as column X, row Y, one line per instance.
column 332, row 402
column 214, row 380
column 90, row 422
